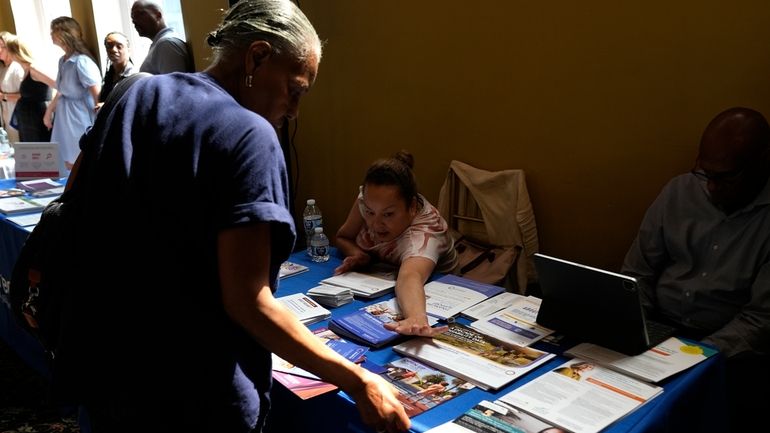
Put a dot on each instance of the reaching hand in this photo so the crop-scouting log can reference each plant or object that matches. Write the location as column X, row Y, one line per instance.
column 352, row 263
column 415, row 326
column 376, row 402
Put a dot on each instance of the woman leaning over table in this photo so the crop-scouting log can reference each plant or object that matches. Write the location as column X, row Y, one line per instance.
column 78, row 85
column 392, row 222
column 34, row 94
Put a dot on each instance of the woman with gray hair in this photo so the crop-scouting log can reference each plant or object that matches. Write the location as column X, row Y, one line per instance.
column 189, row 349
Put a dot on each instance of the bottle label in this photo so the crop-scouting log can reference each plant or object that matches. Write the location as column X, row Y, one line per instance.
column 311, row 223
column 320, row 250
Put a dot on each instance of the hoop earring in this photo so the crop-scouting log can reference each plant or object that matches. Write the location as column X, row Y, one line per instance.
column 248, row 80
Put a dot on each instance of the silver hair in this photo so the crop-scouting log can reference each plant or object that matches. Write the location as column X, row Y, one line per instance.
column 279, row 22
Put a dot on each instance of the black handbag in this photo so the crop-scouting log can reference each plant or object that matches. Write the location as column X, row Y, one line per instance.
column 46, row 272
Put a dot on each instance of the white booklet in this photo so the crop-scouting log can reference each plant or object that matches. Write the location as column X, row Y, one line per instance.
column 581, row 397
column 664, row 360
column 475, row 357
column 515, row 324
column 12, row 205
column 307, row 310
column 449, row 295
column 290, row 268
column 365, row 285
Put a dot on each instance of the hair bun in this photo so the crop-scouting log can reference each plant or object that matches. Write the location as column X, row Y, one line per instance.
column 213, row 39
column 405, row 157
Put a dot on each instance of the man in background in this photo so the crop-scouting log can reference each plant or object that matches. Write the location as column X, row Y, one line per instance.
column 702, row 255
column 168, row 53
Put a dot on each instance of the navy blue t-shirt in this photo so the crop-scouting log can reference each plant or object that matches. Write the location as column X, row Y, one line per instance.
column 181, row 161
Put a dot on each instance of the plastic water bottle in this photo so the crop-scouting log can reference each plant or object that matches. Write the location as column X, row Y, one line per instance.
column 5, row 145
column 311, row 218
column 319, row 246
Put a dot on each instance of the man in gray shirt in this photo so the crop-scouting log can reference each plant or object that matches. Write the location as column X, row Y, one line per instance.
column 702, row 255
column 168, row 53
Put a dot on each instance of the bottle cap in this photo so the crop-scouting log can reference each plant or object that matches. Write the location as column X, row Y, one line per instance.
column 318, row 229
column 310, row 201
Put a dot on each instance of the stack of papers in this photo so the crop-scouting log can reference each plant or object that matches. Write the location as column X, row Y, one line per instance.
column 331, row 296
column 306, row 309
column 364, row 285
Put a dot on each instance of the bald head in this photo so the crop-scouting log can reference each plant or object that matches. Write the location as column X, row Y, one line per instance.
column 734, row 157
column 735, row 136
column 147, row 18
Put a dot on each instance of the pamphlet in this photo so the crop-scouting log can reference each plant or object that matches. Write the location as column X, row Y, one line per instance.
column 664, row 360
column 12, row 205
column 365, row 327
column 462, row 351
column 365, row 324
column 53, row 192
column 421, row 387
column 350, row 351
column 495, row 417
column 305, row 308
column 515, row 324
column 303, row 387
column 581, row 397
column 26, row 220
column 37, row 185
column 11, row 192
column 289, row 269
column 364, row 285
column 447, row 296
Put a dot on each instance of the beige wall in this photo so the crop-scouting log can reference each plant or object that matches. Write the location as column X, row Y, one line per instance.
column 599, row 102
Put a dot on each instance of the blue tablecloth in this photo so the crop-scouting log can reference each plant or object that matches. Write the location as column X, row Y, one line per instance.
column 12, row 237
column 691, row 401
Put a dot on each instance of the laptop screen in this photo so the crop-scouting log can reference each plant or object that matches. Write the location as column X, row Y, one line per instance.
column 591, row 305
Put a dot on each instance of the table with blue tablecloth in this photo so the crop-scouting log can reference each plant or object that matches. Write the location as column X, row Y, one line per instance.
column 691, row 401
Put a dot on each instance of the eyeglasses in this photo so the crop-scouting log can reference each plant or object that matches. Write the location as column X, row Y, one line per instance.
column 722, row 177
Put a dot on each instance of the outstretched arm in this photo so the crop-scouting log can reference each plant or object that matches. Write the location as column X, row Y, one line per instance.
column 355, row 257
column 410, row 291
column 248, row 300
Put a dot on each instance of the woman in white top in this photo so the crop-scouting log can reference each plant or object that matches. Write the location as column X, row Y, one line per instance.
column 11, row 76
